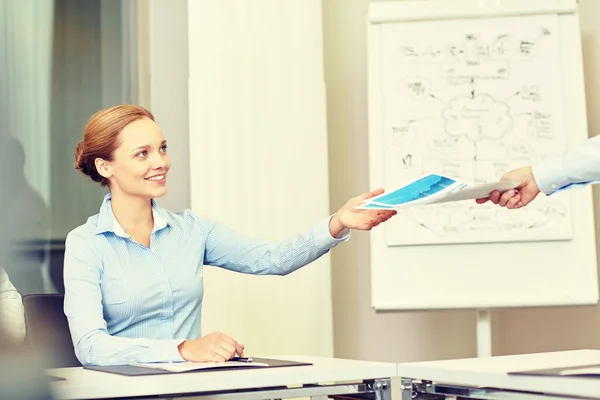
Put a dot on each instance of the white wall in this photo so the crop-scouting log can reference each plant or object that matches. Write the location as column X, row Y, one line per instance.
column 258, row 156
column 362, row 333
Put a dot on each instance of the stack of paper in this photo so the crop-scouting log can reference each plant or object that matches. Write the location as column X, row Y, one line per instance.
column 433, row 189
column 192, row 366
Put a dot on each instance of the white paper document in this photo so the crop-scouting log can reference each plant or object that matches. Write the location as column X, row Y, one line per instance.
column 192, row 366
column 433, row 189
column 581, row 371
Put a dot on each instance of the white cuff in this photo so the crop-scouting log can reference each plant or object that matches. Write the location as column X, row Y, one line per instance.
column 549, row 174
column 323, row 238
column 167, row 350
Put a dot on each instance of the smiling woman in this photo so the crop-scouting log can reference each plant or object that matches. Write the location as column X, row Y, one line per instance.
column 134, row 272
column 102, row 138
column 124, row 149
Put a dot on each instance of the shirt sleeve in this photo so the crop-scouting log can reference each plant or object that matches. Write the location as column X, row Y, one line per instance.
column 12, row 316
column 83, row 308
column 578, row 166
column 228, row 249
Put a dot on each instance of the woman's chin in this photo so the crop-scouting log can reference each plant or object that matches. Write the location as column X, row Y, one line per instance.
column 158, row 193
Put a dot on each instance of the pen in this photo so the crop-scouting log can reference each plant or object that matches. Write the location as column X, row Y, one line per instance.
column 242, row 359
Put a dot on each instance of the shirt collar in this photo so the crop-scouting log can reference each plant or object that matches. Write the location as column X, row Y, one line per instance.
column 108, row 223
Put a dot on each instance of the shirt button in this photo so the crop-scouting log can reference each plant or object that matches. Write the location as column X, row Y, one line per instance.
column 553, row 186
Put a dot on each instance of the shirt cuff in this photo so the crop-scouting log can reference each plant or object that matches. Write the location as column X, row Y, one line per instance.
column 323, row 238
column 167, row 350
column 549, row 174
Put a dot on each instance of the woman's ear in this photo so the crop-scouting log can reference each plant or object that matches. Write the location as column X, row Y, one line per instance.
column 103, row 167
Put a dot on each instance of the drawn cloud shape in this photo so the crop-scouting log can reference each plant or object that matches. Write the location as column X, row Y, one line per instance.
column 477, row 117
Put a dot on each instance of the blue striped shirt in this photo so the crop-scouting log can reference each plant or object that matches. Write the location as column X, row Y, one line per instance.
column 128, row 303
column 577, row 167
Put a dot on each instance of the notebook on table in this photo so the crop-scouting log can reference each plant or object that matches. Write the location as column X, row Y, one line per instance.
column 184, row 367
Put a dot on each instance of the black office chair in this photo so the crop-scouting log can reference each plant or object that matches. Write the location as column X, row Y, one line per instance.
column 48, row 329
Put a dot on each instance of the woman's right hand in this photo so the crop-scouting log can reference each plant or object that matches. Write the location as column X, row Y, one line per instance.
column 215, row 347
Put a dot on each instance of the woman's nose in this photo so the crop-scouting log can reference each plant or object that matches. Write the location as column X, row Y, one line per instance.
column 158, row 161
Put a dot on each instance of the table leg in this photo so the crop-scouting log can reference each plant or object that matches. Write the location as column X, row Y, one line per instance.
column 406, row 386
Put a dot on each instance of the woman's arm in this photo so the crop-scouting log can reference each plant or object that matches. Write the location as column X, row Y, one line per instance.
column 227, row 249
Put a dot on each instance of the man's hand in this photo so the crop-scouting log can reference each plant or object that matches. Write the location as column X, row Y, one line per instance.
column 523, row 194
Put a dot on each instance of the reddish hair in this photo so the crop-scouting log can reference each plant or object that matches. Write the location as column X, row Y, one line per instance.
column 101, row 137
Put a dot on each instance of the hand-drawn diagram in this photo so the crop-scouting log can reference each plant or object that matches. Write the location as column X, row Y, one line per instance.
column 472, row 104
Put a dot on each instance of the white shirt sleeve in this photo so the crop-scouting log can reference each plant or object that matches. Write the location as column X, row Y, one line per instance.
column 578, row 166
column 12, row 316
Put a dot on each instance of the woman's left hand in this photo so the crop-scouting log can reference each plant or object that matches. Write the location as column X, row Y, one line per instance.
column 350, row 217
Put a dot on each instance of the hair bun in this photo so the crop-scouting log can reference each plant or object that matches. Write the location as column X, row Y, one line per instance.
column 79, row 158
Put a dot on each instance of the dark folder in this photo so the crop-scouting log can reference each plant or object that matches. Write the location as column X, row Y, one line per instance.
column 132, row 370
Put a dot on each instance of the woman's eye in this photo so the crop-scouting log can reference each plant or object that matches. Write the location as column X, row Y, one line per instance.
column 164, row 148
column 142, row 153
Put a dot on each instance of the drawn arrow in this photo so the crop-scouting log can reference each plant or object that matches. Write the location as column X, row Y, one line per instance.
column 436, row 98
column 512, row 95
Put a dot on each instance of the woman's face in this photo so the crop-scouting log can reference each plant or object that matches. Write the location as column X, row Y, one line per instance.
column 140, row 163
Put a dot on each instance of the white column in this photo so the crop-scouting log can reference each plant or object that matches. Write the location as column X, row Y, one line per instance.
column 258, row 156
column 484, row 333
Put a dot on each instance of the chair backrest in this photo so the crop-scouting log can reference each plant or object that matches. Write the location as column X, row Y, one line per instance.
column 48, row 329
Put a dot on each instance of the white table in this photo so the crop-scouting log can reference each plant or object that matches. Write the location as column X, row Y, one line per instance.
column 487, row 378
column 327, row 376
